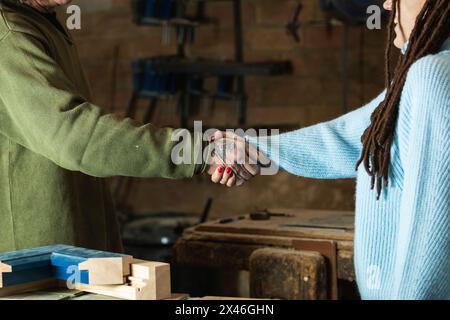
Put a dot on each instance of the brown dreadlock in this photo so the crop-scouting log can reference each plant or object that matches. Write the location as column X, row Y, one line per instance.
column 432, row 28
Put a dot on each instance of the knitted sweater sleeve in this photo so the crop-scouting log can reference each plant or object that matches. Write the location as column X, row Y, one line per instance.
column 327, row 150
column 423, row 263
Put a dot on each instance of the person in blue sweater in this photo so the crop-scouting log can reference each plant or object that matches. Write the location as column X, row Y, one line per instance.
column 399, row 145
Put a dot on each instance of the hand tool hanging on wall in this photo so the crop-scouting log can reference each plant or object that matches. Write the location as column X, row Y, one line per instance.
column 196, row 85
column 225, row 87
column 293, row 25
column 149, row 82
column 166, row 13
column 149, row 8
column 154, row 9
column 205, row 214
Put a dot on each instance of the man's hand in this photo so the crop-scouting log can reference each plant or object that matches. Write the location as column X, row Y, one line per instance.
column 233, row 160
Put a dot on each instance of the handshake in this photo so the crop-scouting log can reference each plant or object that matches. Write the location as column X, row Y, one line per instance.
column 233, row 161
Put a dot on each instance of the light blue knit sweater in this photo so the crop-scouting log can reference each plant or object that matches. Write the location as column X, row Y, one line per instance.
column 402, row 241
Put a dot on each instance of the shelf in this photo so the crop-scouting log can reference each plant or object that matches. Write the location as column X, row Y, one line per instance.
column 219, row 68
column 175, row 22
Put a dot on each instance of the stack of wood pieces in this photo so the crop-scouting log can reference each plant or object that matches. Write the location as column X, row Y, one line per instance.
column 100, row 272
column 147, row 281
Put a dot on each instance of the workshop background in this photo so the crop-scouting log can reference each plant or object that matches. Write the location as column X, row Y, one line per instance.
column 335, row 69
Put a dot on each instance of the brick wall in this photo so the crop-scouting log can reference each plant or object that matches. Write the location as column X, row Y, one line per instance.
column 310, row 95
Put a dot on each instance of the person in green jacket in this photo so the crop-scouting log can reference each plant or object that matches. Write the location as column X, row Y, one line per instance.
column 56, row 146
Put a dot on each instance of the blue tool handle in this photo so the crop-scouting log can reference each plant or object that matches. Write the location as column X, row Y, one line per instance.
column 149, row 9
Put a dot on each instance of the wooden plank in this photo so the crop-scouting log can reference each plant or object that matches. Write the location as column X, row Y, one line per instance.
column 28, row 287
column 29, row 265
column 16, row 266
column 237, row 238
column 95, row 267
column 326, row 248
column 346, row 266
column 214, row 254
column 117, row 291
column 103, row 267
column 281, row 241
column 86, row 253
column 288, row 274
column 10, row 257
column 64, row 260
column 126, row 292
column 25, row 263
column 315, row 224
column 25, row 276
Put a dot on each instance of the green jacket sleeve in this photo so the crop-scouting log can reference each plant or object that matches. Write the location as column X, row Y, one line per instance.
column 41, row 110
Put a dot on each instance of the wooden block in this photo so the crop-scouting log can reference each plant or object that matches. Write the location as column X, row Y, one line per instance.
column 103, row 267
column 149, row 281
column 146, row 269
column 288, row 274
column 157, row 277
column 107, row 270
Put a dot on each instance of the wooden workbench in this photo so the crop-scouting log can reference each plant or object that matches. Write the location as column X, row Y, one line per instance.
column 230, row 245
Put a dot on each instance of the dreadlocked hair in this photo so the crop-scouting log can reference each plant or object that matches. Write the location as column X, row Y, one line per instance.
column 432, row 28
